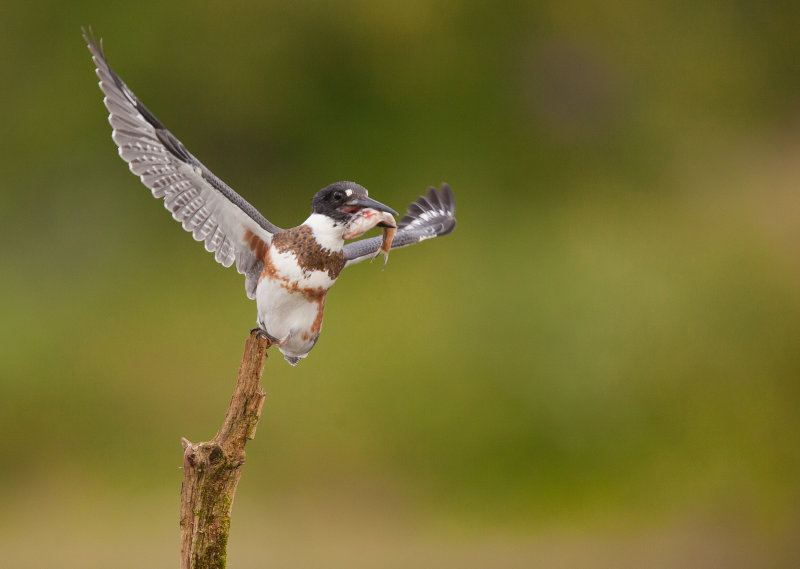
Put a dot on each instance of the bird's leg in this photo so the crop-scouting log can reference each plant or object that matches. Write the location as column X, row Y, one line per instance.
column 272, row 339
column 263, row 334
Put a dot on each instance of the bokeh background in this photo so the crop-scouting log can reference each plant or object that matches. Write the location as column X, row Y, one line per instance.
column 598, row 368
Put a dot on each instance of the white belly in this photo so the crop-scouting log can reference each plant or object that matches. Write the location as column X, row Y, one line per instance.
column 291, row 304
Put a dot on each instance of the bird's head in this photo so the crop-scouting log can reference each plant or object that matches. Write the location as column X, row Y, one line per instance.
column 342, row 200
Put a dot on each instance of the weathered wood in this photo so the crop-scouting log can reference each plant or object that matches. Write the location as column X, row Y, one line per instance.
column 211, row 470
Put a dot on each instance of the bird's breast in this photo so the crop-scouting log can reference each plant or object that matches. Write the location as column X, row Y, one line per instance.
column 298, row 249
column 286, row 268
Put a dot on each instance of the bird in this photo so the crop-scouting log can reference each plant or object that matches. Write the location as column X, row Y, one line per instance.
column 287, row 271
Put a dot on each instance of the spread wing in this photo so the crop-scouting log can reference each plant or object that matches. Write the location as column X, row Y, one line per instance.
column 207, row 207
column 430, row 216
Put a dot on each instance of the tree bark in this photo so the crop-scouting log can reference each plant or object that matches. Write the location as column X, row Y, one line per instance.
column 211, row 470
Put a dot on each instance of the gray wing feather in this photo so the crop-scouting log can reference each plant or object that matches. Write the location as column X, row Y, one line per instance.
column 431, row 215
column 204, row 205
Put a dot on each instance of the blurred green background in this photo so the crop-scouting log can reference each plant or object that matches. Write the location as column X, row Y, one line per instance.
column 598, row 368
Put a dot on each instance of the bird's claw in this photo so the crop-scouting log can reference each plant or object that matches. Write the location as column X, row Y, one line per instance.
column 272, row 339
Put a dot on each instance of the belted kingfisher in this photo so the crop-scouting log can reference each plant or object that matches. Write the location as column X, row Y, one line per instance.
column 287, row 271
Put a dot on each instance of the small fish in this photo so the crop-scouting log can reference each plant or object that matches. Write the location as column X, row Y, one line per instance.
column 386, row 244
column 368, row 218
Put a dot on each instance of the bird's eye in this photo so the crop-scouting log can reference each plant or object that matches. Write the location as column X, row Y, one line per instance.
column 338, row 195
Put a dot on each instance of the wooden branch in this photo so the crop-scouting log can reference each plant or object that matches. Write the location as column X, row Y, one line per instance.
column 211, row 470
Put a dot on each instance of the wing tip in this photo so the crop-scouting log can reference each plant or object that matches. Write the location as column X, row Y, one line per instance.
column 95, row 47
column 88, row 35
column 450, row 200
column 440, row 202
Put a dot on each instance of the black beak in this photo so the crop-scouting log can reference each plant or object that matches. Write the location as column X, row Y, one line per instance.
column 369, row 202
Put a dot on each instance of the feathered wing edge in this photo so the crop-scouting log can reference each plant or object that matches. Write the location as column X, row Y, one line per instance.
column 208, row 208
column 431, row 215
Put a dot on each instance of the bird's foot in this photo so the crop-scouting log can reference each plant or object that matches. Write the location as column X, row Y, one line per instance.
column 272, row 339
column 260, row 332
